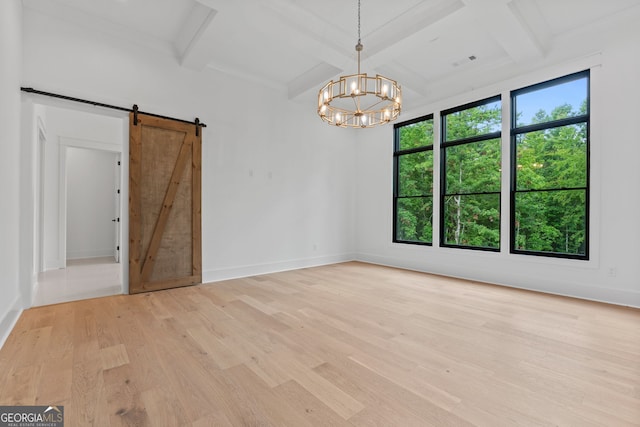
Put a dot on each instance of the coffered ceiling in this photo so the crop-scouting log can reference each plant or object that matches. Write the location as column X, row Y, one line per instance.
column 434, row 48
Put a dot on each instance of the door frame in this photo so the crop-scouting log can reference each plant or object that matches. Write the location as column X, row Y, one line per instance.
column 41, row 142
column 64, row 144
column 117, row 194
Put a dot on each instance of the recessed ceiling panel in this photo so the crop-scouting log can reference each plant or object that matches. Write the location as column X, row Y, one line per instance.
column 344, row 14
column 566, row 15
column 445, row 48
column 158, row 18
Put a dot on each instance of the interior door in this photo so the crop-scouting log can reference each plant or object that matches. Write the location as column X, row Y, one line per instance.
column 164, row 204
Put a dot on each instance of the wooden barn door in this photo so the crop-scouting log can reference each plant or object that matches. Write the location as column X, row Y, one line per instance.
column 164, row 204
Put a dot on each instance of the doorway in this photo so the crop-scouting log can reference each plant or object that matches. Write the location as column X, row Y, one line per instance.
column 89, row 191
column 80, row 173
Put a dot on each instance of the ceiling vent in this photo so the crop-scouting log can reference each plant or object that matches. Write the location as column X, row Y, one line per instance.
column 464, row 61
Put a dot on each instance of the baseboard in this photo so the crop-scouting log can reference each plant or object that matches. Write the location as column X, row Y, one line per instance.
column 35, row 285
column 267, row 268
column 90, row 254
column 9, row 319
column 622, row 297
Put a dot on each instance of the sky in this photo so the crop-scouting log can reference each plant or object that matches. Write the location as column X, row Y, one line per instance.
column 573, row 93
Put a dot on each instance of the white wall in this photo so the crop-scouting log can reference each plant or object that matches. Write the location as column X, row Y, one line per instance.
column 615, row 198
column 91, row 204
column 278, row 184
column 10, row 110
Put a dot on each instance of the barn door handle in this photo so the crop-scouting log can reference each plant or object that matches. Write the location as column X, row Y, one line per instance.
column 115, row 220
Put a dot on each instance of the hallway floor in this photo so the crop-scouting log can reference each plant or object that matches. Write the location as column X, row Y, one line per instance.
column 82, row 279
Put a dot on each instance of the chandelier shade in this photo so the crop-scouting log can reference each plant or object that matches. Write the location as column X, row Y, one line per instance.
column 358, row 100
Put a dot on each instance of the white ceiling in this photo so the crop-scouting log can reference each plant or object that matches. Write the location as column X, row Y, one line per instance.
column 297, row 45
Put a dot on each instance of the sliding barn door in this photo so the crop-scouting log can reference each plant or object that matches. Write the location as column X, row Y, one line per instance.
column 164, row 204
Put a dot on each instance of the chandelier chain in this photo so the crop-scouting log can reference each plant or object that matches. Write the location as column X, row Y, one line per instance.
column 358, row 21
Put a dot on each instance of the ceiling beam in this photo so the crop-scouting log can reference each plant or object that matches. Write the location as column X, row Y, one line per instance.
column 412, row 21
column 195, row 36
column 311, row 79
column 508, row 28
column 380, row 44
column 313, row 32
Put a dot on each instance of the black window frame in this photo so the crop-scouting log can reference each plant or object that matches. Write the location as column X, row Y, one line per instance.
column 516, row 130
column 444, row 144
column 397, row 153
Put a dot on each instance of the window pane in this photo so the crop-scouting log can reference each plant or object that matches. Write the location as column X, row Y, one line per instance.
column 414, row 219
column 475, row 121
column 472, row 220
column 416, row 135
column 415, row 174
column 552, row 158
column 552, row 103
column 551, row 221
column 474, row 167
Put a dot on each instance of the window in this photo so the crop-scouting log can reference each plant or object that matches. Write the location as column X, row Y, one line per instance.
column 550, row 168
column 470, row 175
column 413, row 184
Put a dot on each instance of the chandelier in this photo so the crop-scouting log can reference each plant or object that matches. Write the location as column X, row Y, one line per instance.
column 360, row 101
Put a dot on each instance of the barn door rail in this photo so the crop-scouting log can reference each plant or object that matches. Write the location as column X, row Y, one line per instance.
column 198, row 124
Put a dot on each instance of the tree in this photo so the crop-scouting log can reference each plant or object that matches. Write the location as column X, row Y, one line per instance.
column 472, row 178
column 414, row 205
column 552, row 166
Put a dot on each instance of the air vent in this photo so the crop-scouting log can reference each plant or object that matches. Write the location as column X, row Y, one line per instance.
column 464, row 61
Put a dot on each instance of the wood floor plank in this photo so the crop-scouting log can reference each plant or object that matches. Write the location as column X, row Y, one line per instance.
column 87, row 405
column 123, row 397
column 347, row 345
column 267, row 408
column 375, row 390
column 308, row 405
column 21, row 385
column 163, row 409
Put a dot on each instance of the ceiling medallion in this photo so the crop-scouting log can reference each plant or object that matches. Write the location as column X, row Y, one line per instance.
column 360, row 101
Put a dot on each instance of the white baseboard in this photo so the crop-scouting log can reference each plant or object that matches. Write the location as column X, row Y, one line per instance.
column 623, row 297
column 35, row 285
column 217, row 275
column 98, row 253
column 9, row 319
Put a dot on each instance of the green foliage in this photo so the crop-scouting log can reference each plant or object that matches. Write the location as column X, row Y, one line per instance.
column 553, row 161
column 415, row 219
column 416, row 135
column 472, row 218
column 475, row 121
column 551, row 178
column 415, row 183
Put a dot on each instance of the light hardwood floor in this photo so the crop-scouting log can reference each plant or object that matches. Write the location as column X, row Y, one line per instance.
column 341, row 345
